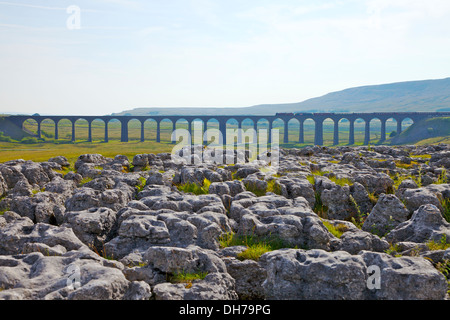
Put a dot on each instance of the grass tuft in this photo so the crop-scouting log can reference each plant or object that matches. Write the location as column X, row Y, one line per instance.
column 85, row 180
column 337, row 230
column 256, row 246
column 442, row 179
column 445, row 203
column 442, row 244
column 187, row 278
column 195, row 188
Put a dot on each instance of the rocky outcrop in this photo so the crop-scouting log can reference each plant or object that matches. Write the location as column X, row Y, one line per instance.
column 317, row 274
column 327, row 223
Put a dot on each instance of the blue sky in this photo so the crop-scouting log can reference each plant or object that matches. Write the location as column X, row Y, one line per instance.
column 226, row 53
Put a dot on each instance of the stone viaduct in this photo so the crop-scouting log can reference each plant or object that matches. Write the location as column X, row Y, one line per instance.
column 318, row 119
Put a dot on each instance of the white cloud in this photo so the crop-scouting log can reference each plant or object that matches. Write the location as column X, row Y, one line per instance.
column 16, row 4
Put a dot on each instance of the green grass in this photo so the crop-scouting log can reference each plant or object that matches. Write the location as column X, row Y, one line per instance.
column 421, row 156
column 442, row 177
column 255, row 251
column 442, row 244
column 360, row 217
column 272, row 186
column 36, row 191
column 341, row 181
column 43, row 151
column 399, row 178
column 187, row 277
column 142, row 183
column 319, row 172
column 337, row 230
column 256, row 246
column 444, row 268
column 195, row 188
column 402, row 165
column 393, row 250
column 319, row 208
column 311, row 179
column 445, row 203
column 85, row 180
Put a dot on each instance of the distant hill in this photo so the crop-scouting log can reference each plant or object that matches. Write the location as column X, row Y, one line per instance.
column 418, row 96
column 428, row 129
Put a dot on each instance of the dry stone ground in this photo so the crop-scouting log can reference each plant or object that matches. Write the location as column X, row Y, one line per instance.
column 343, row 223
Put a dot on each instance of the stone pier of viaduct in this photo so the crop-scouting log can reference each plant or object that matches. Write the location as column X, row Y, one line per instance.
column 318, row 119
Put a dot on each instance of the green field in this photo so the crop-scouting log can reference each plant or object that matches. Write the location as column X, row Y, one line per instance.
column 49, row 147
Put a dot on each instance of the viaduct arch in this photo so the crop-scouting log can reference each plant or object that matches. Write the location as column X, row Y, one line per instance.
column 318, row 119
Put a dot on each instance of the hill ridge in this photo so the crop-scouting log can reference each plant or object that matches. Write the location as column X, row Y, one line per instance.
column 407, row 96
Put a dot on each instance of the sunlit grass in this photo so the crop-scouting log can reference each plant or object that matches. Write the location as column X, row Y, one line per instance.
column 256, row 246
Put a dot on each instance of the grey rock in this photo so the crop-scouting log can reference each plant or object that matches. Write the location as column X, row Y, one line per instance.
column 144, row 273
column 377, row 184
column 11, row 174
column 61, row 186
column 95, row 159
column 20, row 231
column 306, row 232
column 191, row 259
column 249, row 277
column 155, row 178
column 100, row 184
column 37, row 277
column 22, row 188
column 3, row 186
column 94, row 227
column 61, row 160
column 75, row 177
column 232, row 251
column 42, row 207
column 361, row 198
column 414, row 198
column 405, row 278
column 83, row 198
column 144, row 226
column 337, row 200
column 315, row 274
column 252, row 183
column 355, row 240
column 215, row 286
column 297, row 187
column 408, row 184
column 388, row 213
column 140, row 160
column 245, row 171
column 34, row 173
column 57, row 250
column 425, row 224
column 138, row 290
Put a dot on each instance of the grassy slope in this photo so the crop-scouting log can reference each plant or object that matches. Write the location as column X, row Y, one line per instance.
column 44, row 151
column 434, row 130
